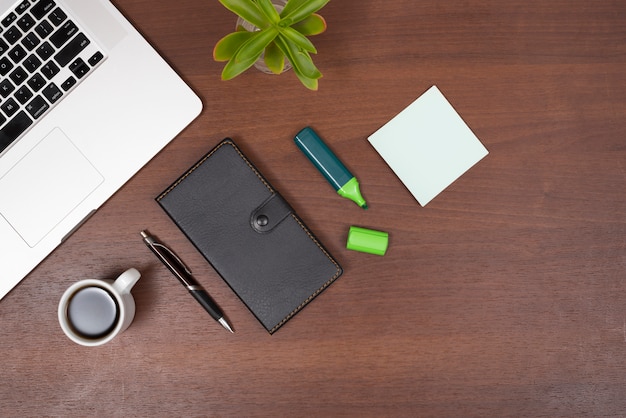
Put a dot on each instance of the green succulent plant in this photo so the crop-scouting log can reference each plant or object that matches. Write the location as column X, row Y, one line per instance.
column 280, row 35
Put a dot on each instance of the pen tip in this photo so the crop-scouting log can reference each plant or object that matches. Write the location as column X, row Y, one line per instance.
column 364, row 206
column 225, row 324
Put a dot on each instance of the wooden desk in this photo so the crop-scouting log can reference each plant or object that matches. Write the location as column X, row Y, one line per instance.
column 505, row 296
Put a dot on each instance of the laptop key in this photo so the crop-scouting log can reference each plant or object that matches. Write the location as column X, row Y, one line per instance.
column 10, row 18
column 50, row 69
column 3, row 47
column 12, row 35
column 6, row 88
column 73, row 48
column 31, row 63
column 79, row 68
column 25, row 22
column 5, row 66
column 37, row 107
column 13, row 129
column 63, row 34
column 30, row 41
column 44, row 29
column 22, row 7
column 42, row 8
column 57, row 16
column 36, row 82
column 45, row 51
column 10, row 107
column 18, row 76
column 17, row 54
column 67, row 84
column 23, row 94
column 52, row 93
column 95, row 58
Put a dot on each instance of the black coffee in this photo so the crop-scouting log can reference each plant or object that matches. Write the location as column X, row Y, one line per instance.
column 92, row 312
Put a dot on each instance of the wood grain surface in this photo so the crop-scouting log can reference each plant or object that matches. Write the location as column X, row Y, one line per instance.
column 504, row 296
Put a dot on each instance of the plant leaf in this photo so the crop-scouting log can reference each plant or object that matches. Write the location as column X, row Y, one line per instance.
column 253, row 47
column 234, row 68
column 312, row 25
column 291, row 6
column 300, row 40
column 299, row 59
column 226, row 47
column 309, row 83
column 268, row 10
column 302, row 10
column 248, row 53
column 274, row 58
column 248, row 10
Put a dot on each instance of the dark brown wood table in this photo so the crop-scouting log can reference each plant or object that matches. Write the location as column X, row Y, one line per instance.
column 504, row 296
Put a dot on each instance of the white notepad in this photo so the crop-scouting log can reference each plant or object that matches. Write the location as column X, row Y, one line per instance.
column 428, row 145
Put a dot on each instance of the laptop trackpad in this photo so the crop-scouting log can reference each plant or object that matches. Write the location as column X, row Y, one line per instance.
column 45, row 186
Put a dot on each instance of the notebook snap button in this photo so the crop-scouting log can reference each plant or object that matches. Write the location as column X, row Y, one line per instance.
column 262, row 220
column 269, row 214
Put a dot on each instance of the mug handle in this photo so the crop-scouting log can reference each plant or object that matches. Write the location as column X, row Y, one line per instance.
column 127, row 280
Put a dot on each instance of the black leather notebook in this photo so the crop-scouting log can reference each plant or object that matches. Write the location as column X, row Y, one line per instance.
column 250, row 235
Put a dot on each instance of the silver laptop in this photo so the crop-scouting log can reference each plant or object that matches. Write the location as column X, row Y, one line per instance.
column 85, row 102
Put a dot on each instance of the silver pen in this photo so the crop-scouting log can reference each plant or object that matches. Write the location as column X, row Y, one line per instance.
column 182, row 273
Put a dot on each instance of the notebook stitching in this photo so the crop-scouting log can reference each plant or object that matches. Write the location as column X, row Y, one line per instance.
column 310, row 235
column 304, row 228
column 254, row 170
column 303, row 304
column 318, row 291
column 206, row 157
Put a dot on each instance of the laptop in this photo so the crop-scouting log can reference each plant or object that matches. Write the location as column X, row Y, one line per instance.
column 85, row 102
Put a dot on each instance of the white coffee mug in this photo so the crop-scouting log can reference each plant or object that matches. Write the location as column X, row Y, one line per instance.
column 93, row 311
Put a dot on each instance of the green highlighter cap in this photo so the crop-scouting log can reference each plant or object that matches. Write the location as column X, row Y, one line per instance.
column 329, row 165
column 367, row 240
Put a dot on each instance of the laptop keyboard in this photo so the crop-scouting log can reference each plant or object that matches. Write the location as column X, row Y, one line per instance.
column 44, row 54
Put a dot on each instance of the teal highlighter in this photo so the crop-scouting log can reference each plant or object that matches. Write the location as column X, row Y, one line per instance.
column 329, row 165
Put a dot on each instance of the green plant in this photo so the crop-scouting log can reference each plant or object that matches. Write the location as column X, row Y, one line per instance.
column 279, row 36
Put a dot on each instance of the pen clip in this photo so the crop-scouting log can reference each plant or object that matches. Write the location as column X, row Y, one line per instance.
column 174, row 256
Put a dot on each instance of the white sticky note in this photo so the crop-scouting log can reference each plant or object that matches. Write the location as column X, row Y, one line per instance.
column 428, row 145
